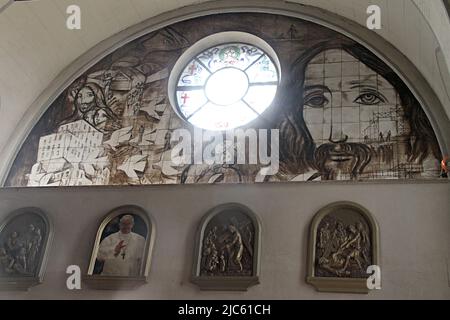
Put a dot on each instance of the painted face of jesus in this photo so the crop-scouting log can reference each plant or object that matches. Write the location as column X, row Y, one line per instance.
column 350, row 111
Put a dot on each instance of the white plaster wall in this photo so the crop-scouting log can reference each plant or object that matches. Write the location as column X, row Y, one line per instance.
column 414, row 222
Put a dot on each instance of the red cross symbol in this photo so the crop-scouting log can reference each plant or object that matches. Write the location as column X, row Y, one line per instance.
column 192, row 68
column 185, row 97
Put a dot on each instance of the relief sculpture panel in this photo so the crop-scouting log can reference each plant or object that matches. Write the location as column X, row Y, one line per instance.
column 24, row 240
column 227, row 249
column 343, row 248
column 343, row 243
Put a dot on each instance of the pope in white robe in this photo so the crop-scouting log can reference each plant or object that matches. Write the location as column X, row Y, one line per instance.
column 122, row 252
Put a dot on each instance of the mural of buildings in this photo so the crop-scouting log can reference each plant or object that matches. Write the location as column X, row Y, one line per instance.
column 69, row 157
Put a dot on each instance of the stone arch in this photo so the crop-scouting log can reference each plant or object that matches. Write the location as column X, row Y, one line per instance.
column 406, row 71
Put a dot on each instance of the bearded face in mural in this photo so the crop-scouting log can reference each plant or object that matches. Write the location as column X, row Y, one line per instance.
column 356, row 119
column 352, row 113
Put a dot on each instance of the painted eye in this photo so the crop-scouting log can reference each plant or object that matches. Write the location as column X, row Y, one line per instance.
column 316, row 101
column 369, row 99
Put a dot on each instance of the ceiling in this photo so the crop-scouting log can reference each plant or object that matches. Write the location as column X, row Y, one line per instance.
column 36, row 46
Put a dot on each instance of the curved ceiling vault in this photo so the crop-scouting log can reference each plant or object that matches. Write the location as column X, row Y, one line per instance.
column 36, row 46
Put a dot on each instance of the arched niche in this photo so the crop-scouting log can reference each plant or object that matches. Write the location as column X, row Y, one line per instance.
column 122, row 251
column 227, row 249
column 25, row 240
column 343, row 243
column 128, row 89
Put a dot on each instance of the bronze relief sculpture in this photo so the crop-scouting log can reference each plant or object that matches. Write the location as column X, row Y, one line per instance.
column 227, row 250
column 24, row 241
column 343, row 244
column 343, row 249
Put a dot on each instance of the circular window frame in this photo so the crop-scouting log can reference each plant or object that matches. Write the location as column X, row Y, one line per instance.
column 217, row 39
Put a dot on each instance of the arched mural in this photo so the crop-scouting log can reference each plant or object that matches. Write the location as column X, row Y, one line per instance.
column 342, row 114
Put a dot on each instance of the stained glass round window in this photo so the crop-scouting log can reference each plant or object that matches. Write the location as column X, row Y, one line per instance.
column 226, row 86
